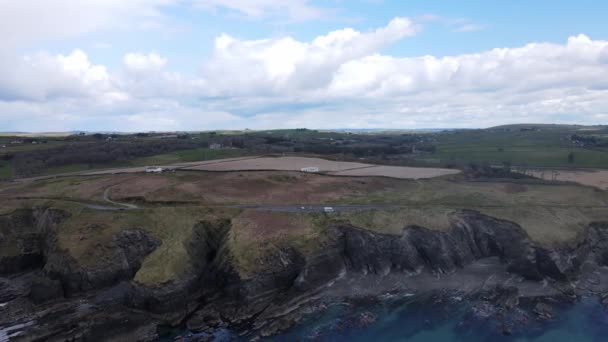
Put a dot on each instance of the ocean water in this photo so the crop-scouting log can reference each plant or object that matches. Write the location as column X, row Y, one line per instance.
column 438, row 319
column 426, row 320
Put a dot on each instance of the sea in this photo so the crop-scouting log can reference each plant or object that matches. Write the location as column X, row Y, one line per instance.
column 439, row 319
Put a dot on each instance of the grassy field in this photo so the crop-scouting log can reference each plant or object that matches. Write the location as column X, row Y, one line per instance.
column 546, row 146
column 184, row 156
column 199, row 154
column 6, row 169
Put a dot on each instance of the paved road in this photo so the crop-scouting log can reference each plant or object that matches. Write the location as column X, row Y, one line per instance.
column 317, row 208
column 135, row 169
column 106, row 197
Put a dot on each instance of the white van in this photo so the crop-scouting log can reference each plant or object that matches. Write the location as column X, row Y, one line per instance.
column 154, row 169
column 328, row 209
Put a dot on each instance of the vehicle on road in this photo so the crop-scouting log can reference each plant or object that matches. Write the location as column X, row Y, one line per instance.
column 328, row 209
column 154, row 169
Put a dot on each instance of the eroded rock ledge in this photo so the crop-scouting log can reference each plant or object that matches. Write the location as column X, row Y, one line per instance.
column 103, row 301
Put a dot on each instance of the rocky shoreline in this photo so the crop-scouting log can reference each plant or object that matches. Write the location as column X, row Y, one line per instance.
column 47, row 295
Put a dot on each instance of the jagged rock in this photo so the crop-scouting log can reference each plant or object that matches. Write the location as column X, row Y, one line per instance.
column 120, row 260
column 501, row 296
column 265, row 302
column 543, row 311
column 205, row 320
column 20, row 242
column 597, row 240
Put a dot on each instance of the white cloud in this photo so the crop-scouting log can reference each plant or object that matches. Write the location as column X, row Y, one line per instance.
column 340, row 79
column 138, row 62
column 278, row 65
column 293, row 10
column 24, row 22
column 42, row 76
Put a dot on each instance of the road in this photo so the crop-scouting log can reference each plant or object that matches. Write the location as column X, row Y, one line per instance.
column 135, row 169
column 317, row 208
column 106, row 197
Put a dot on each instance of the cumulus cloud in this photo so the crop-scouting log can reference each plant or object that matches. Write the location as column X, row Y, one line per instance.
column 42, row 76
column 340, row 79
column 278, row 65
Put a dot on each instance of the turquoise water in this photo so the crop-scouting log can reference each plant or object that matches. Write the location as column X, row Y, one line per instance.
column 428, row 321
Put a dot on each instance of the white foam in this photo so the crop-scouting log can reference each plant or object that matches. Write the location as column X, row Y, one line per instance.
column 13, row 331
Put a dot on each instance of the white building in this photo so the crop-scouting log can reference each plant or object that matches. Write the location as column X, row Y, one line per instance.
column 311, row 169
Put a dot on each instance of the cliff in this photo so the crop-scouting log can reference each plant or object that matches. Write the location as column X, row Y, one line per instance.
column 102, row 300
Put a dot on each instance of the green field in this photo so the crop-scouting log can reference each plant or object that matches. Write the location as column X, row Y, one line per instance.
column 6, row 169
column 183, row 156
column 199, row 154
column 548, row 146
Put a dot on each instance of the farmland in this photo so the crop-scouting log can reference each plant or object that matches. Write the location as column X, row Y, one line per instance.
column 595, row 178
column 337, row 168
column 555, row 146
column 523, row 145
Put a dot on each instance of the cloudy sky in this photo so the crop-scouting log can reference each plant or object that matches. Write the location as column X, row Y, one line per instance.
column 139, row 65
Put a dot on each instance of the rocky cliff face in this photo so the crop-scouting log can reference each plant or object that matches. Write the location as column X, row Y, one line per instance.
column 472, row 236
column 211, row 293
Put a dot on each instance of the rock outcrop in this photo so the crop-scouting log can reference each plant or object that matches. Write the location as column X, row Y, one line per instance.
column 211, row 294
column 123, row 257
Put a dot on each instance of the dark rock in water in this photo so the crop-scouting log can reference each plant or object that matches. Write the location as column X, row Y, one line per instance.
column 205, row 320
column 543, row 311
column 483, row 310
column 367, row 318
column 501, row 296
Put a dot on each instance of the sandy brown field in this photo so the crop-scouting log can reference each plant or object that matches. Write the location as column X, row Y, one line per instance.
column 279, row 164
column 396, row 172
column 596, row 178
column 338, row 168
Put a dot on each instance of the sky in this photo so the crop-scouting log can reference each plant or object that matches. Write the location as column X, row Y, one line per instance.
column 191, row 65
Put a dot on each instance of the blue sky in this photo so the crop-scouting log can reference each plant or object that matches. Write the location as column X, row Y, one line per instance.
column 156, row 64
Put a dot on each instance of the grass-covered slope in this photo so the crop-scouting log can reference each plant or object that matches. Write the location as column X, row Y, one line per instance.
column 551, row 213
